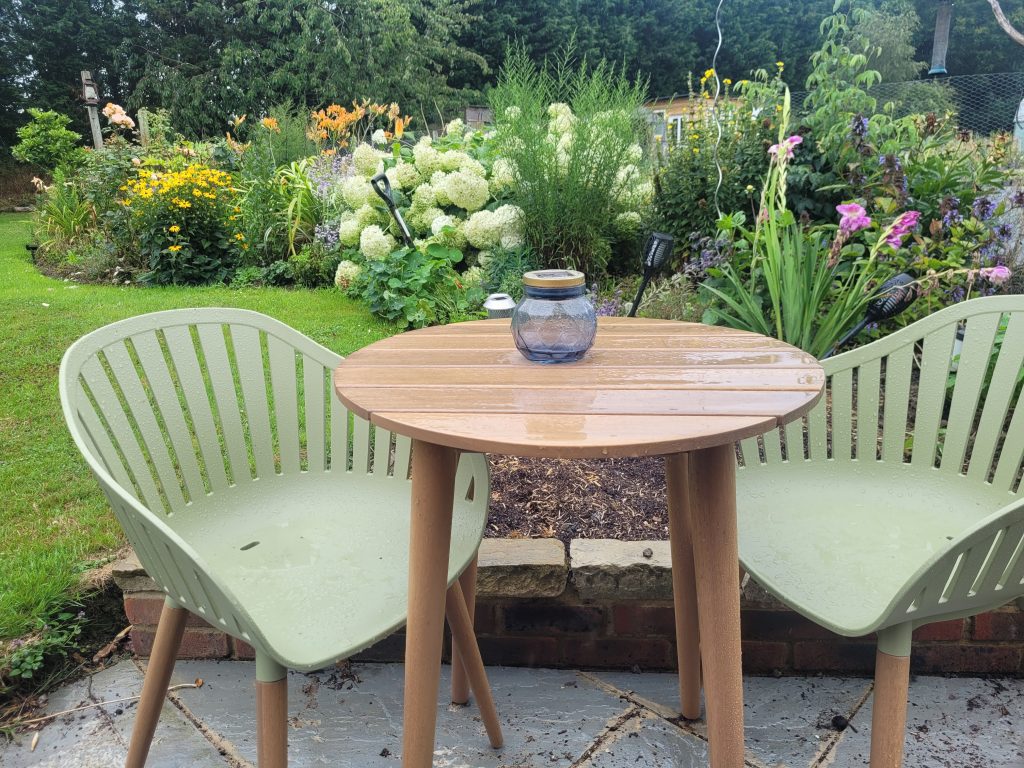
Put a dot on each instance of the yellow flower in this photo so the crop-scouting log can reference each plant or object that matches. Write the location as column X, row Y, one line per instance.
column 174, row 228
column 696, row 151
column 727, row 81
column 184, row 204
column 708, row 73
column 239, row 236
column 174, row 248
column 780, row 65
column 270, row 124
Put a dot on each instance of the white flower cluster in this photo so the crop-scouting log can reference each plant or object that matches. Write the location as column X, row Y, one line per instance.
column 346, row 273
column 443, row 188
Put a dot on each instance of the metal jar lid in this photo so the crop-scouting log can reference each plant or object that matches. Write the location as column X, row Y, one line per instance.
column 553, row 278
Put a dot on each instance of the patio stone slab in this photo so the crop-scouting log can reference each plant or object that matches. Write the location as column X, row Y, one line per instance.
column 649, row 741
column 951, row 723
column 786, row 719
column 549, row 717
column 98, row 737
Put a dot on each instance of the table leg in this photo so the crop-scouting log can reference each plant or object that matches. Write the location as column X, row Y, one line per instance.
column 430, row 530
column 684, row 588
column 716, row 558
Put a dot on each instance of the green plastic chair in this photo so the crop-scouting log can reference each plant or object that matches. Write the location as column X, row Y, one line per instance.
column 256, row 501
column 881, row 513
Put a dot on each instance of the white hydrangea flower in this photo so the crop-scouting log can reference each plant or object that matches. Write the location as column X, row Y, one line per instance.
column 453, row 160
column 509, row 220
column 348, row 232
column 472, row 278
column 469, row 136
column 483, row 259
column 423, row 197
column 559, row 109
column 441, row 222
column 392, row 177
column 562, row 124
column 467, row 190
column 367, row 215
column 355, row 191
column 421, row 220
column 627, row 222
column 483, row 230
column 502, row 175
column 455, row 128
column 408, row 176
column 427, row 159
column 634, row 154
column 512, row 240
column 513, row 112
column 346, row 273
column 378, row 138
column 375, row 243
column 366, row 160
column 471, row 165
column 437, row 181
column 491, row 134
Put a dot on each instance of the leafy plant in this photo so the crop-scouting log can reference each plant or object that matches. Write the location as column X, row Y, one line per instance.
column 47, row 141
column 64, row 216
column 23, row 658
column 572, row 136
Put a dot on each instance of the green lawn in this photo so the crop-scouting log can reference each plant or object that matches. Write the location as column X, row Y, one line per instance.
column 53, row 519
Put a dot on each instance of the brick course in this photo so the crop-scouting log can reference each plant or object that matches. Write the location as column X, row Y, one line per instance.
column 567, row 630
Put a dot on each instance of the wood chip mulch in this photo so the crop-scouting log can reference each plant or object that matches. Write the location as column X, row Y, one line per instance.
column 578, row 498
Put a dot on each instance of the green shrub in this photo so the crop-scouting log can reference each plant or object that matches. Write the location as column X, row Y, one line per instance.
column 46, row 140
column 573, row 139
column 503, row 270
column 315, row 265
column 64, row 216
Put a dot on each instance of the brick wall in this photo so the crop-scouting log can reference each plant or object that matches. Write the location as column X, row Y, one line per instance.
column 610, row 606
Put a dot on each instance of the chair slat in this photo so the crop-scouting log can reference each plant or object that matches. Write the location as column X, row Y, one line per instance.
column 772, row 442
column 1014, row 573
column 166, row 396
column 403, row 457
column 751, row 452
column 314, row 398
column 841, row 385
column 869, row 377
column 339, row 435
column 898, row 369
column 123, row 432
column 284, row 381
column 1011, row 452
column 931, row 394
column 975, row 357
column 218, row 367
column 794, row 432
column 252, row 377
column 998, row 400
column 360, row 445
column 381, row 451
column 135, row 396
column 197, row 400
column 817, row 431
column 101, row 441
column 968, row 572
column 1001, row 558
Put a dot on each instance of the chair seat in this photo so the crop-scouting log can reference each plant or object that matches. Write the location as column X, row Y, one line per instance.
column 837, row 541
column 320, row 562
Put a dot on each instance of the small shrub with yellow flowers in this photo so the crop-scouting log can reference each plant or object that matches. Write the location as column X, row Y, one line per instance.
column 186, row 223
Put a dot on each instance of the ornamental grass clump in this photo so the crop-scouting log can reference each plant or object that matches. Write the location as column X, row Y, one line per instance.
column 186, row 223
column 571, row 140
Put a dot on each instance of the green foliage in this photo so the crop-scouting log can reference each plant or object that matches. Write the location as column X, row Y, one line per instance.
column 417, row 287
column 64, row 216
column 504, row 269
column 687, row 175
column 46, row 141
column 890, row 32
column 54, row 638
column 314, row 266
column 298, row 206
column 573, row 136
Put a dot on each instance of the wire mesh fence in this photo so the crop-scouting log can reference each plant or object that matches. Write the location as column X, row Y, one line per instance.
column 982, row 104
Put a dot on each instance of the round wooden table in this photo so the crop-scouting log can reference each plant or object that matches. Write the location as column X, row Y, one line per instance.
column 647, row 387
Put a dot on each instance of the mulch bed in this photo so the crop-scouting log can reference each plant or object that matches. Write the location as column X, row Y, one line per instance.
column 578, row 498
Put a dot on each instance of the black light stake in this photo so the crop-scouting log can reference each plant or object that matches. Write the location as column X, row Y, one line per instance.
column 382, row 187
column 895, row 295
column 656, row 252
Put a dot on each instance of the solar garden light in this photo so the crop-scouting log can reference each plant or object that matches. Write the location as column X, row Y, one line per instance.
column 382, row 187
column 656, row 253
column 895, row 295
column 499, row 305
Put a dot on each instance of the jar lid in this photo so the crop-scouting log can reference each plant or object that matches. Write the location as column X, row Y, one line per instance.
column 553, row 278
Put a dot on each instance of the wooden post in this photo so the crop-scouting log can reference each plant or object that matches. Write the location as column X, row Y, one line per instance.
column 144, row 127
column 92, row 99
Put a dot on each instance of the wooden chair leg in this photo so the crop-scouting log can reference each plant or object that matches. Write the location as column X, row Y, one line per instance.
column 460, row 683
column 271, row 713
column 158, row 674
column 684, row 585
column 889, row 708
column 462, row 628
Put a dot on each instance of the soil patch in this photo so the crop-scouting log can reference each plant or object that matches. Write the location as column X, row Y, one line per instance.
column 578, row 498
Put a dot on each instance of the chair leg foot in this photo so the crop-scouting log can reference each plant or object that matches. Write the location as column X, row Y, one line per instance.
column 460, row 682
column 158, row 675
column 889, row 710
column 462, row 630
column 684, row 585
column 271, row 715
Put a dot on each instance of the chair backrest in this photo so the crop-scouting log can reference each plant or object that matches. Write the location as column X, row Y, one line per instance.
column 176, row 406
column 961, row 419
column 966, row 418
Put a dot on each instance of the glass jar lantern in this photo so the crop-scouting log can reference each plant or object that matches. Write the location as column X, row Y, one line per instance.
column 555, row 321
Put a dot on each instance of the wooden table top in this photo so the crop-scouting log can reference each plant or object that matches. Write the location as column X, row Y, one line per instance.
column 646, row 387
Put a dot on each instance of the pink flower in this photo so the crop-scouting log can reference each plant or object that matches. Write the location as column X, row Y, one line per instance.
column 787, row 146
column 905, row 222
column 854, row 218
column 996, row 275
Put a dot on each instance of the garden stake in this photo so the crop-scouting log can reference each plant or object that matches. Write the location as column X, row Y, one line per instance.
column 382, row 187
column 656, row 253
